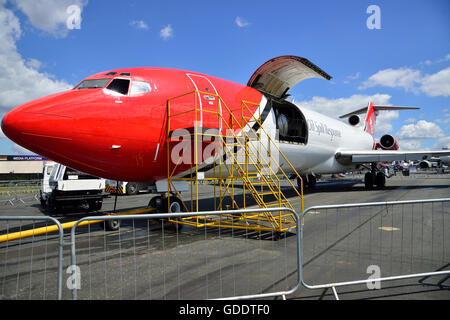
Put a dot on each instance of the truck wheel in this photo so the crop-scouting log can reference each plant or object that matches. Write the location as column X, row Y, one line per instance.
column 131, row 188
column 111, row 225
column 51, row 205
column 43, row 202
column 95, row 205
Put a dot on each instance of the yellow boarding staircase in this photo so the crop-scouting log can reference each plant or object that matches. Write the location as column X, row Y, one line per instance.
column 246, row 156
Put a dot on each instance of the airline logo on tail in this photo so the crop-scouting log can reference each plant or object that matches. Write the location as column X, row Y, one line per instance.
column 371, row 112
column 370, row 120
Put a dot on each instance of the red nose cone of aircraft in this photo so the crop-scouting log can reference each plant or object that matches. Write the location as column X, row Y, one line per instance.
column 31, row 123
column 10, row 125
column 84, row 129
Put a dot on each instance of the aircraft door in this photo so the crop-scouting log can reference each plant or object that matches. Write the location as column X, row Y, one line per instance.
column 207, row 99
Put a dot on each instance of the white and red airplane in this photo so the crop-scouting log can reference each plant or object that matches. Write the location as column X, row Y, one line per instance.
column 113, row 124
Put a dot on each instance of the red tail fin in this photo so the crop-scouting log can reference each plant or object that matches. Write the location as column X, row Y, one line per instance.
column 370, row 120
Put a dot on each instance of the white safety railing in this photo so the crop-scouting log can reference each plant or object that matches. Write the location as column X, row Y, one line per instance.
column 145, row 260
column 30, row 265
column 368, row 243
column 148, row 258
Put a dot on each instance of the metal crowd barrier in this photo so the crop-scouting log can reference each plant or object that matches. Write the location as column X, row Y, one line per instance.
column 17, row 191
column 137, row 263
column 368, row 243
column 148, row 258
column 24, row 266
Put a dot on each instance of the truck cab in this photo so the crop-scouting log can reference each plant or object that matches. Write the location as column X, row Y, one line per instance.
column 67, row 186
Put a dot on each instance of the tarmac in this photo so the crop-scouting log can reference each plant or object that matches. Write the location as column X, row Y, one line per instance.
column 147, row 259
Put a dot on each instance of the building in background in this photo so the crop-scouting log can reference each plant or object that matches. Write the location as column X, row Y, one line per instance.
column 21, row 167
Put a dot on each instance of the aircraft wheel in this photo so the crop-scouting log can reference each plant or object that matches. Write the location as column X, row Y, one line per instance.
column 111, row 225
column 380, row 180
column 176, row 206
column 311, row 181
column 369, row 180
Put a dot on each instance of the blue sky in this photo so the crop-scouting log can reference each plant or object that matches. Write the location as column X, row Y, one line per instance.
column 406, row 62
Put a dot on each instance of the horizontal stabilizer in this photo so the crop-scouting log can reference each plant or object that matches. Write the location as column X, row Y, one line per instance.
column 377, row 108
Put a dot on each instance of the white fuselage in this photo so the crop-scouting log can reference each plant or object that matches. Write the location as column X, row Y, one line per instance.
column 326, row 136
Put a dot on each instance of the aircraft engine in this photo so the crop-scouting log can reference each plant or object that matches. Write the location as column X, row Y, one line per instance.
column 387, row 142
column 424, row 164
column 353, row 120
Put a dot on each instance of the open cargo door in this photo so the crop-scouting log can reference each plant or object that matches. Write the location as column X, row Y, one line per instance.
column 280, row 74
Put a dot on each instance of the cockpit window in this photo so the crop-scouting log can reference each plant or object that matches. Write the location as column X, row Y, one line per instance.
column 140, row 87
column 92, row 84
column 119, row 86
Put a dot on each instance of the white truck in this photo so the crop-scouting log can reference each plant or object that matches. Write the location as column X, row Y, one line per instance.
column 67, row 186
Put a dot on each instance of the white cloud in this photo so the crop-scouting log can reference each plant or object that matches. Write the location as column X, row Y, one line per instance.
column 433, row 85
column 20, row 80
column 33, row 64
column 412, row 136
column 241, row 22
column 166, row 32
column 336, row 107
column 140, row 24
column 445, row 118
column 429, row 62
column 443, row 142
column 437, row 84
column 383, row 122
column 404, row 77
column 446, row 58
column 421, row 130
column 409, row 144
column 52, row 16
column 340, row 106
column 352, row 77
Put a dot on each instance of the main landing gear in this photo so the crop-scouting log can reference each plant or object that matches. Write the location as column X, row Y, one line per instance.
column 161, row 205
column 309, row 181
column 374, row 178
